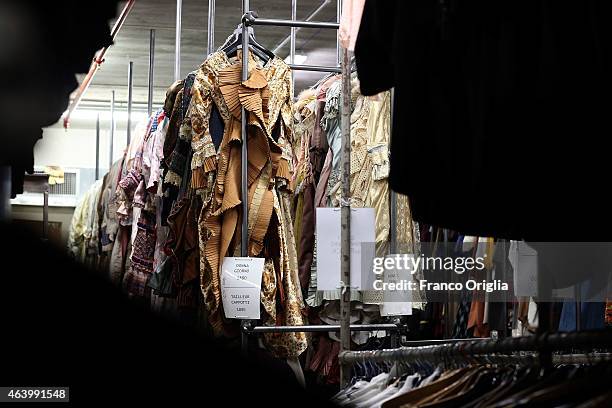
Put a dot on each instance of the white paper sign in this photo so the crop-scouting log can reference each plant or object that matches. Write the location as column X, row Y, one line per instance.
column 241, row 287
column 328, row 230
column 397, row 302
column 524, row 261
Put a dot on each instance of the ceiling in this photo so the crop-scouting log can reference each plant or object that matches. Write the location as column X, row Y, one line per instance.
column 132, row 43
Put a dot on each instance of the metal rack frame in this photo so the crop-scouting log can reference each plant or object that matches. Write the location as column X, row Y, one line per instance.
column 130, row 85
column 317, row 328
column 249, row 19
column 464, row 349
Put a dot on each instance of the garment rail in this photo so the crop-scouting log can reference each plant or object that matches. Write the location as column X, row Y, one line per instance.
column 321, row 328
column 420, row 343
column 461, row 350
column 250, row 18
column 314, row 68
column 394, row 330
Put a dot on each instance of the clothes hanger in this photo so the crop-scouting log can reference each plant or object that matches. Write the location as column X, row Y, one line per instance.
column 234, row 42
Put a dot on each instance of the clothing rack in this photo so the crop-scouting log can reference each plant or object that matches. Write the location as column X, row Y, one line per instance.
column 472, row 349
column 389, row 327
column 249, row 19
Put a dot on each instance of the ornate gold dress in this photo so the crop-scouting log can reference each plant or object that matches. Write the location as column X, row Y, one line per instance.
column 267, row 97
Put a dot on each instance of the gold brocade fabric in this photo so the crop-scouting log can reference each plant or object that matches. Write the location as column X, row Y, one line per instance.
column 378, row 131
column 370, row 130
column 266, row 96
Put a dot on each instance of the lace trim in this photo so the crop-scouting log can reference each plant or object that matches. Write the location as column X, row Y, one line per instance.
column 332, row 105
column 173, row 178
column 204, row 155
column 380, row 161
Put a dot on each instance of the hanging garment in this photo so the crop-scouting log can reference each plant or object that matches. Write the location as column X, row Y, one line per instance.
column 134, row 193
column 489, row 90
column 592, row 314
column 463, row 315
column 130, row 174
column 304, row 186
column 330, row 123
column 178, row 276
column 370, row 132
column 109, row 224
column 81, row 225
column 108, row 221
column 266, row 97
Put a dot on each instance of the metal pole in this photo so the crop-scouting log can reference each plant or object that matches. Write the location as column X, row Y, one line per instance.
column 97, row 62
column 292, row 44
column 312, row 15
column 151, row 73
column 314, row 68
column 393, row 222
column 210, row 48
column 129, row 102
column 253, row 21
column 244, row 194
column 392, row 194
column 112, row 129
column 177, row 41
column 98, row 146
column 578, row 305
column 338, row 48
column 45, row 233
column 345, row 211
column 5, row 193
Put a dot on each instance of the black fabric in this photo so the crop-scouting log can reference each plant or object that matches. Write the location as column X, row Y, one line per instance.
column 70, row 327
column 217, row 126
column 180, row 158
column 43, row 44
column 501, row 111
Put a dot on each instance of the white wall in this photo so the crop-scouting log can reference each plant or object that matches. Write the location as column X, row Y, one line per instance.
column 76, row 146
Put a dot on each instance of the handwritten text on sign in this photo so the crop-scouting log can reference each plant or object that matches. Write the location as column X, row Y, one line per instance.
column 241, row 287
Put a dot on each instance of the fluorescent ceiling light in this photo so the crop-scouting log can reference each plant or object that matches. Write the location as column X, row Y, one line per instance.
column 120, row 116
column 298, row 59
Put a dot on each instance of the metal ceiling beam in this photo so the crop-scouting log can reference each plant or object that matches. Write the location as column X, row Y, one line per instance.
column 312, row 15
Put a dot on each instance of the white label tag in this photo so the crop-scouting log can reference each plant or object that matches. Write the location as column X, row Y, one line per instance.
column 241, row 287
column 397, row 302
column 328, row 230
